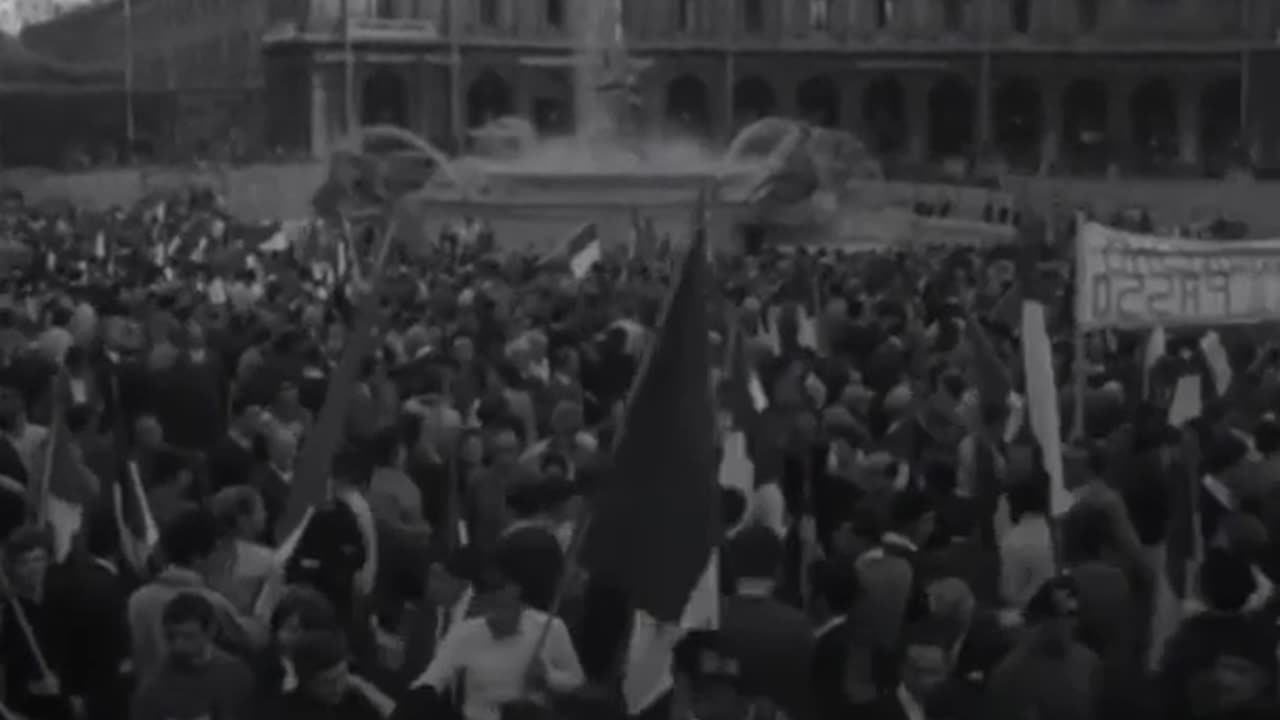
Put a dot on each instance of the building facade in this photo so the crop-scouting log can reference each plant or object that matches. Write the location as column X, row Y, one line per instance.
column 196, row 66
column 1153, row 85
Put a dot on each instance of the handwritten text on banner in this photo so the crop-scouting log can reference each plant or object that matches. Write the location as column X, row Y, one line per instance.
column 1128, row 280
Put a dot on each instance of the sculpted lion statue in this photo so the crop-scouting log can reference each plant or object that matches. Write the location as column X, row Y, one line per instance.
column 800, row 160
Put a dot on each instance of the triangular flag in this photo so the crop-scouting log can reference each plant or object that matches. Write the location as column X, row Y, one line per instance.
column 585, row 259
column 1153, row 351
column 1042, row 402
column 1215, row 356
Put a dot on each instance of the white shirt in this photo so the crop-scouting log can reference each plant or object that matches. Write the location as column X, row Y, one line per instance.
column 1026, row 560
column 493, row 669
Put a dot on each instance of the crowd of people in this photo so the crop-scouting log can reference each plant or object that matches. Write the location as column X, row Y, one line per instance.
column 890, row 556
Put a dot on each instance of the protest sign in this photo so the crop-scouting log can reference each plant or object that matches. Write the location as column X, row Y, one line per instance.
column 1125, row 280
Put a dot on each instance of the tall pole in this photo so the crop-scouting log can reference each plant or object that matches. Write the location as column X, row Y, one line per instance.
column 1246, row 38
column 349, row 71
column 984, row 77
column 130, row 131
column 731, row 69
column 456, row 120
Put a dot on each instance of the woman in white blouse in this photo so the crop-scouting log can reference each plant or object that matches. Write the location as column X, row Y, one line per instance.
column 490, row 656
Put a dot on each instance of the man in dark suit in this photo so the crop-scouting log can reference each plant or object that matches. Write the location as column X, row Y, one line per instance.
column 771, row 642
column 978, row 643
column 923, row 690
column 894, row 594
column 446, row 600
column 192, row 398
column 835, row 586
column 99, row 594
column 233, row 458
column 528, row 548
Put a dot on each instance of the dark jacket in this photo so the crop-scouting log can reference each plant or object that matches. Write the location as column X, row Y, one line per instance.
column 774, row 646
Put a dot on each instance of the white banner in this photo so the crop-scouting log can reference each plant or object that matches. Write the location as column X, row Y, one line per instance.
column 1125, row 280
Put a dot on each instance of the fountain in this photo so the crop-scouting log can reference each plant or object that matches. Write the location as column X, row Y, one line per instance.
column 540, row 190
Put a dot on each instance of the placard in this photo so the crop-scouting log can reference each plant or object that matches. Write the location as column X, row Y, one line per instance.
column 1125, row 280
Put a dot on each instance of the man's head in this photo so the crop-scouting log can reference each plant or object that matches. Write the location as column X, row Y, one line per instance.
column 505, row 446
column 756, row 554
column 303, row 609
column 447, row 577
column 240, row 511
column 187, row 620
column 320, row 659
column 148, row 432
column 282, row 445
column 951, row 601
column 192, row 541
column 1054, row 610
column 926, row 659
column 27, row 552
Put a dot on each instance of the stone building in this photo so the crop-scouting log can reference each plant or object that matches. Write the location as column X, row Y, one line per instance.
column 197, row 67
column 1151, row 85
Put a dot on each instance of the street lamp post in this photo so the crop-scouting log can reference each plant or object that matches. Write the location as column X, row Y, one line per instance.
column 130, row 131
column 349, row 70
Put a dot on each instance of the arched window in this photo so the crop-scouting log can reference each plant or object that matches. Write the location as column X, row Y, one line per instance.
column 554, row 13
column 1020, row 15
column 489, row 13
column 753, row 15
column 819, row 14
column 953, row 14
column 686, row 15
column 1088, row 13
column 885, row 11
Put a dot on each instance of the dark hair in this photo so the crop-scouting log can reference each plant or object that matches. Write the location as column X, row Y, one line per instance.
column 386, row 445
column 756, row 552
column 1226, row 580
column 188, row 607
column 1044, row 604
column 1086, row 532
column 79, row 418
column 190, row 537
column 318, row 651
column 310, row 606
column 232, row 504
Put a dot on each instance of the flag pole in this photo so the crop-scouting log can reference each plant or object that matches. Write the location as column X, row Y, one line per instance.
column 578, row 539
column 1079, row 358
column 456, row 117
column 130, row 130
column 731, row 69
column 984, row 77
column 348, row 70
column 1246, row 139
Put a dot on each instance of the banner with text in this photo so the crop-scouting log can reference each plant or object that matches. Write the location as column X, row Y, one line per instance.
column 1125, row 280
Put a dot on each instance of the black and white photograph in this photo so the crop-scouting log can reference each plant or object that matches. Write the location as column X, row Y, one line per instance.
column 639, row 359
